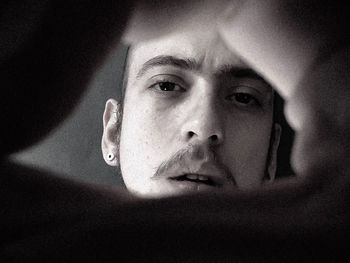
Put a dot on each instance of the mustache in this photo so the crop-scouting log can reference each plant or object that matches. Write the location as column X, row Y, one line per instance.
column 190, row 154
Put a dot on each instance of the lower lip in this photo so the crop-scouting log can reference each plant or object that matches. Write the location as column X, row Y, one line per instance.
column 188, row 186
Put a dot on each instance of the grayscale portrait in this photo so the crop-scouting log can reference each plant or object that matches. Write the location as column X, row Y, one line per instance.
column 174, row 131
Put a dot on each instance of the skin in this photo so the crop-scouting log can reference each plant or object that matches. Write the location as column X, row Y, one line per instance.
column 222, row 121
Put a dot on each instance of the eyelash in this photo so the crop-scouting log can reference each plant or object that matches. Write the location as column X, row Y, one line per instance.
column 158, row 86
column 241, row 96
column 165, row 79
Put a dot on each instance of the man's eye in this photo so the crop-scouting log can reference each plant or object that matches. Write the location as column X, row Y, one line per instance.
column 242, row 98
column 168, row 86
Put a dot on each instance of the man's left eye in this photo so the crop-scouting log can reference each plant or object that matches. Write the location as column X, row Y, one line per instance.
column 242, row 98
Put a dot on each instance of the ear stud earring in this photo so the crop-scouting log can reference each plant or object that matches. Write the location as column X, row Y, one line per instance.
column 110, row 156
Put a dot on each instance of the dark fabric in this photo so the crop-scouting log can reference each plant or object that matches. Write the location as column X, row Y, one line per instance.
column 48, row 219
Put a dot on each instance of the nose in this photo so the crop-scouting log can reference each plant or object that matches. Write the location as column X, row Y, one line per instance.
column 203, row 124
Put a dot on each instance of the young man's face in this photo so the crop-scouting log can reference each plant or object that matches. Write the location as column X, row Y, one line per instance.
column 195, row 118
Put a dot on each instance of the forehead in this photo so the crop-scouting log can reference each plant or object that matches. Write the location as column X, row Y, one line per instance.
column 206, row 49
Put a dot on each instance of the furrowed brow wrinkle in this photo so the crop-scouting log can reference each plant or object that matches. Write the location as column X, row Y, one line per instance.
column 182, row 63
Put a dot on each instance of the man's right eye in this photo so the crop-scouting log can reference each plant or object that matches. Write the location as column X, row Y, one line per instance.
column 168, row 86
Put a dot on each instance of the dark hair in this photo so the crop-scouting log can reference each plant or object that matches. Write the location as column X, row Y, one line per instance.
column 125, row 75
column 284, row 168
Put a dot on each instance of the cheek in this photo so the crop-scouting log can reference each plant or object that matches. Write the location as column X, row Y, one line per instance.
column 246, row 149
column 145, row 140
column 137, row 133
column 148, row 127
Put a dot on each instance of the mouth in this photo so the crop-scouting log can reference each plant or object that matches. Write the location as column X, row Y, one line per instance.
column 199, row 179
column 187, row 172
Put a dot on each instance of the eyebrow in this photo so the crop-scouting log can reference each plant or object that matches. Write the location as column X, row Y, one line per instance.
column 240, row 72
column 193, row 65
column 182, row 63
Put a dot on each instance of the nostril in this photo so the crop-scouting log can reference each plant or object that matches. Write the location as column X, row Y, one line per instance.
column 190, row 134
column 213, row 138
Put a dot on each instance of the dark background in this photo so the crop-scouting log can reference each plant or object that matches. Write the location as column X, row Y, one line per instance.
column 73, row 148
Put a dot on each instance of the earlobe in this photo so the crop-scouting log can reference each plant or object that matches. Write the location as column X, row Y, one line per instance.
column 272, row 165
column 111, row 129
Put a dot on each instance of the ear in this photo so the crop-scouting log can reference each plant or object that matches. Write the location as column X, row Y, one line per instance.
column 275, row 141
column 111, row 129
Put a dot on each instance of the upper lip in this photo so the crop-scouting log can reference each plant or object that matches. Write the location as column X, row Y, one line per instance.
column 196, row 159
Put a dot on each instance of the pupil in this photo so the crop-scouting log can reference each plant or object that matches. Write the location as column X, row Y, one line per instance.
column 243, row 98
column 166, row 86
